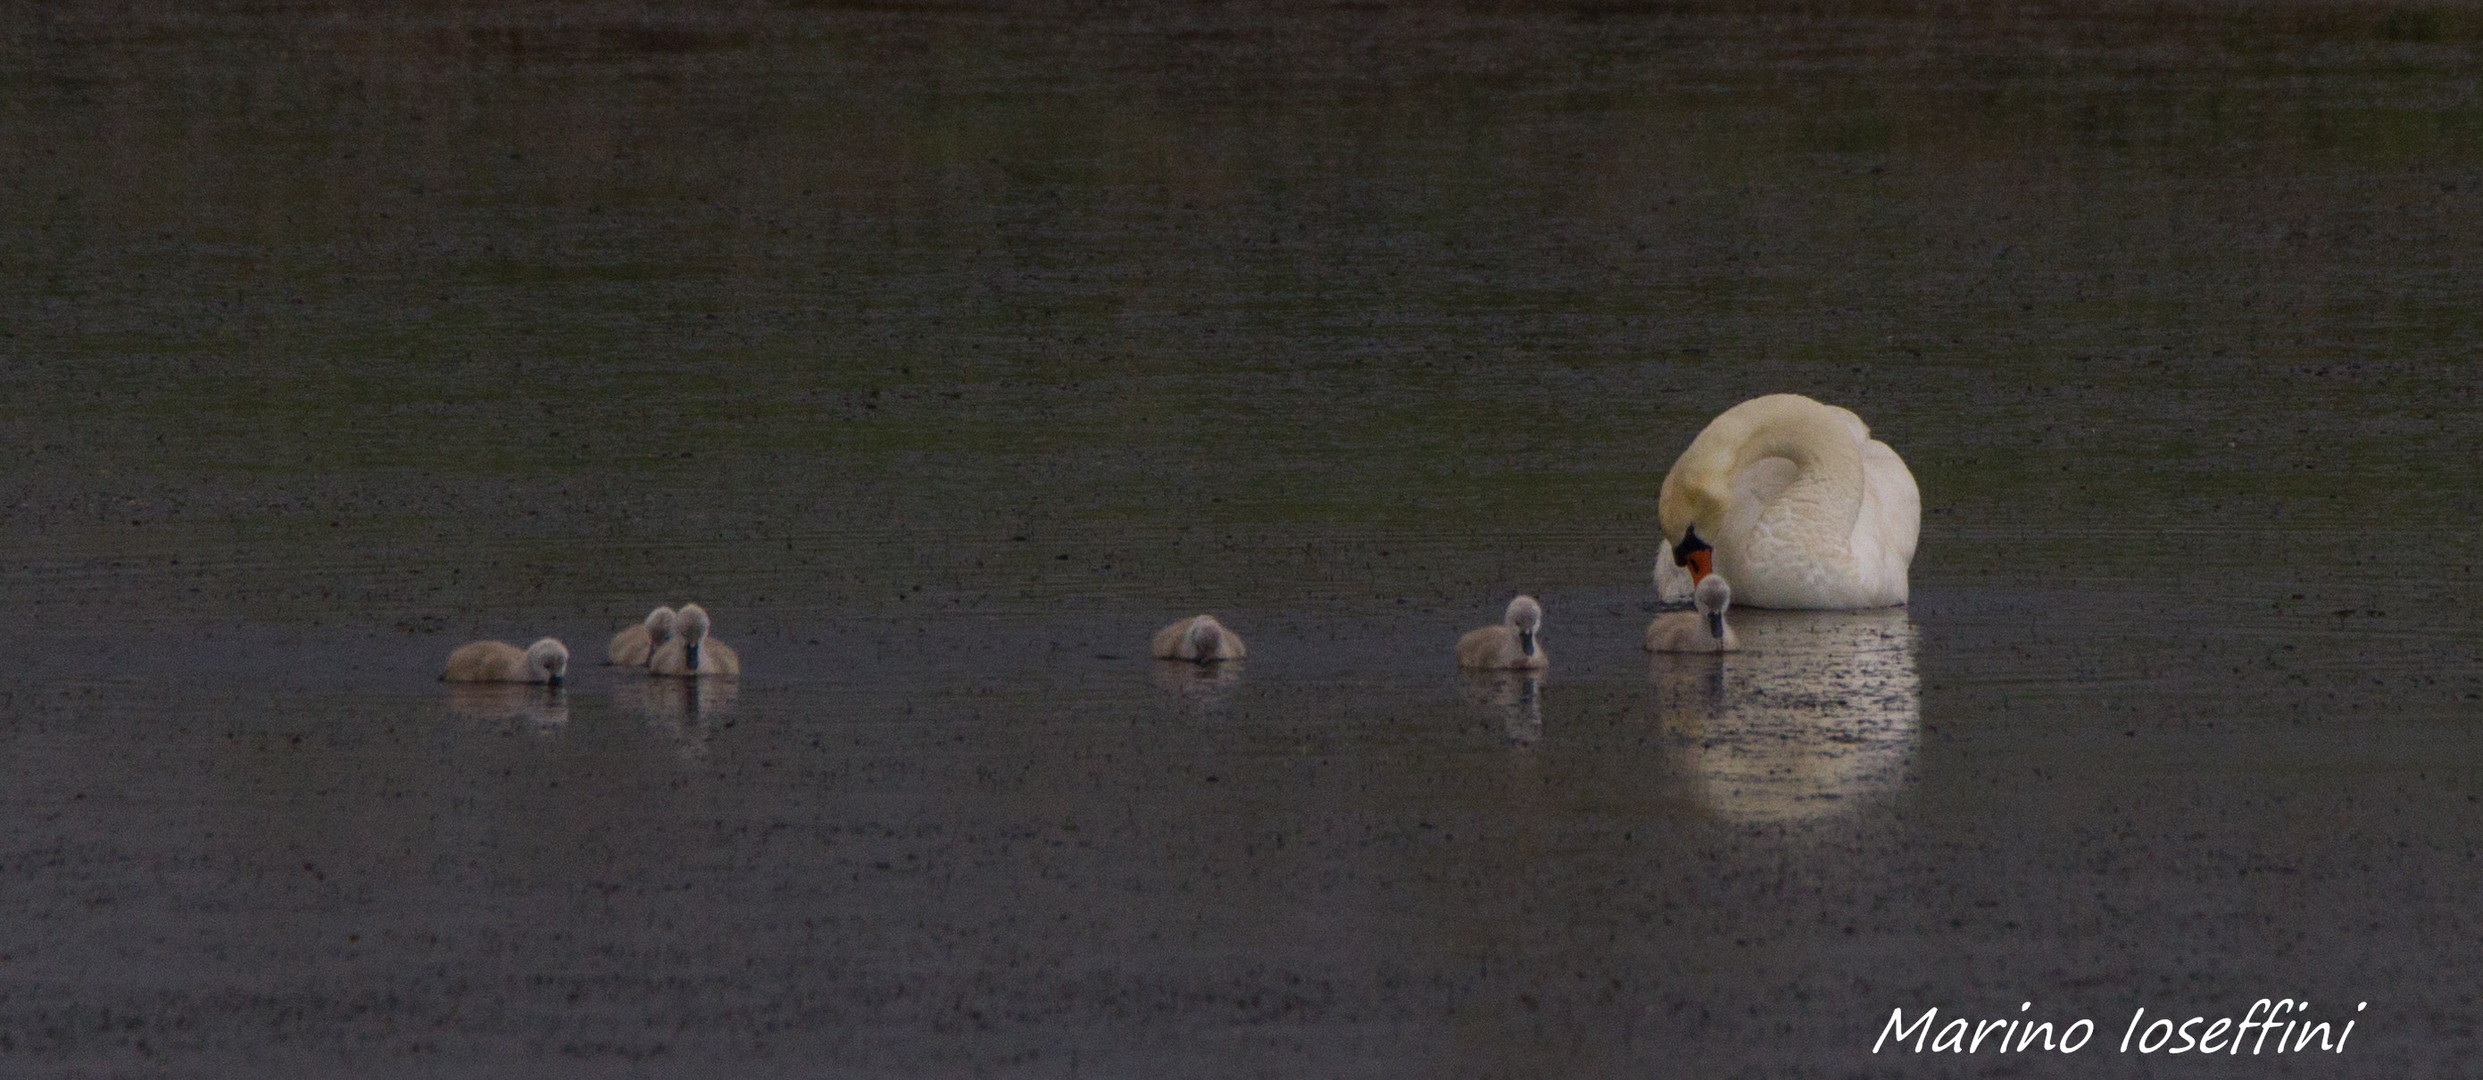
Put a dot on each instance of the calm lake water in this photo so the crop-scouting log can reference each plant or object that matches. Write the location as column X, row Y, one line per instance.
column 945, row 353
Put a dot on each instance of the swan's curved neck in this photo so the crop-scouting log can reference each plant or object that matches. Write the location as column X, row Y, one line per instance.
column 1728, row 485
column 1799, row 440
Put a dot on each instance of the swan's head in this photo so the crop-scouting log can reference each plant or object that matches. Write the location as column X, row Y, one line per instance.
column 1694, row 494
column 1206, row 636
column 1698, row 490
column 549, row 659
column 1713, row 598
column 1526, row 617
column 659, row 626
column 1695, row 554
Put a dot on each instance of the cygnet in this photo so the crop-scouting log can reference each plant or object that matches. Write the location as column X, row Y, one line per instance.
column 546, row 661
column 1509, row 646
column 1198, row 639
column 1701, row 631
column 636, row 645
column 692, row 652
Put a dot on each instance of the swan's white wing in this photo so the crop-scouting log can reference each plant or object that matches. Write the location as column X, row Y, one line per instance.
column 1754, row 488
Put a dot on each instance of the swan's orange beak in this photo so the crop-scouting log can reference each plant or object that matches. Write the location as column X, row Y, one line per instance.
column 1694, row 553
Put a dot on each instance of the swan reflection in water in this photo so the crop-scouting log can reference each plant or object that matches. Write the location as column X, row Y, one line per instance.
column 540, row 710
column 1513, row 698
column 685, row 710
column 1819, row 708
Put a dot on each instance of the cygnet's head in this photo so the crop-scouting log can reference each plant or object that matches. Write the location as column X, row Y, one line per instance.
column 548, row 658
column 1713, row 597
column 1206, row 636
column 659, row 625
column 691, row 623
column 1527, row 616
column 1524, row 613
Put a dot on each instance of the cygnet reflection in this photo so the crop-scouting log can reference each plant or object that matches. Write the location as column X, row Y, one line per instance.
column 1513, row 699
column 1820, row 708
column 1195, row 683
column 683, row 710
column 540, row 710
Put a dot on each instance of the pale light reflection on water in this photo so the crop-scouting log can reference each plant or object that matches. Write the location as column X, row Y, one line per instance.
column 1818, row 711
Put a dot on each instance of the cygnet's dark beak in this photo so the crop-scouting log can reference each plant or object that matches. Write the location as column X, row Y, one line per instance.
column 1715, row 624
column 1526, row 642
column 556, row 677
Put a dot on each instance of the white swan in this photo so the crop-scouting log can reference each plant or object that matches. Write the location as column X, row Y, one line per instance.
column 1797, row 504
column 634, row 646
column 546, row 661
column 692, row 652
column 1199, row 639
column 1701, row 631
column 1508, row 646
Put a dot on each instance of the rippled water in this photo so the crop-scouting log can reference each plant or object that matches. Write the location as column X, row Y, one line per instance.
column 944, row 354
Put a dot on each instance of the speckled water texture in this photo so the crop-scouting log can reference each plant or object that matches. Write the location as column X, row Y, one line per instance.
column 944, row 354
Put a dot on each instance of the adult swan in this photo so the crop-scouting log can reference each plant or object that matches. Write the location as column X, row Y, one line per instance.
column 1795, row 503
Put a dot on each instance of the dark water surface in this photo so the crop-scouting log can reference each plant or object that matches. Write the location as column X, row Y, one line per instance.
column 944, row 354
